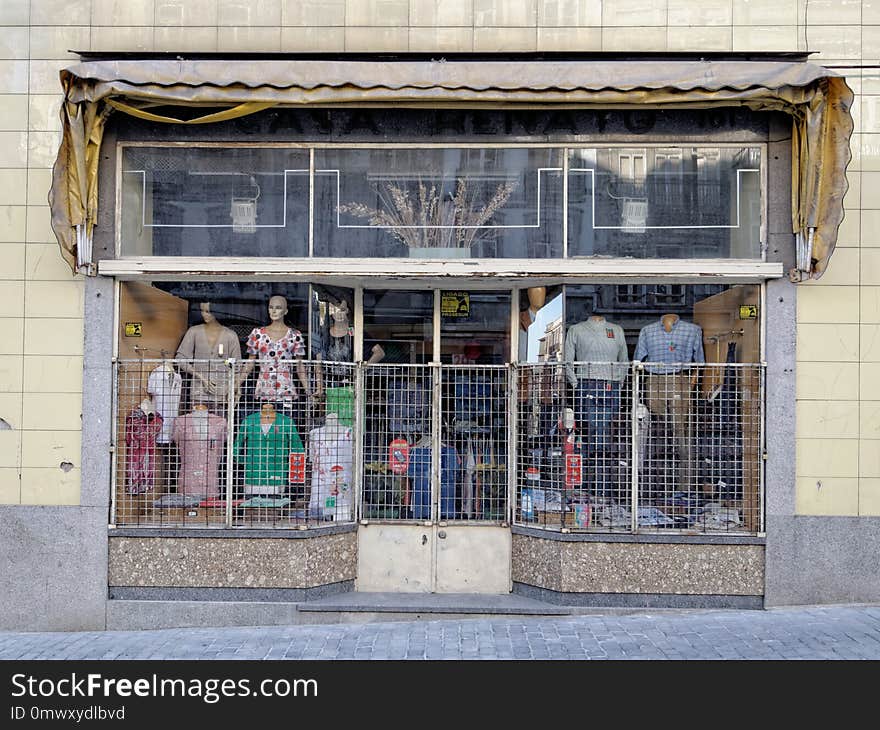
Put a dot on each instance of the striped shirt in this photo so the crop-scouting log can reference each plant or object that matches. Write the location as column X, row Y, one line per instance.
column 682, row 344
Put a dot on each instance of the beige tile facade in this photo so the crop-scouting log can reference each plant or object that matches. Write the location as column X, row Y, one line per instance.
column 40, row 324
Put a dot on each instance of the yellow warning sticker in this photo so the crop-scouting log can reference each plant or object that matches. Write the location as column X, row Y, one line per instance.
column 455, row 304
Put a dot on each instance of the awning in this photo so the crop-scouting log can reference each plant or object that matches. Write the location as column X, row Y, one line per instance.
column 817, row 99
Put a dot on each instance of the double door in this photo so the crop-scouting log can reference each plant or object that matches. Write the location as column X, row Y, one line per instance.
column 436, row 433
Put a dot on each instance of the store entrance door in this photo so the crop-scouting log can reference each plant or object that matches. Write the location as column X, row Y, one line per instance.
column 441, row 434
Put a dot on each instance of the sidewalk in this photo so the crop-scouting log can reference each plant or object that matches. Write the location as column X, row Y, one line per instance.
column 835, row 632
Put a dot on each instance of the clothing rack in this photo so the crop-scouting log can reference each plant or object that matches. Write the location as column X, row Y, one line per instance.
column 716, row 337
column 163, row 352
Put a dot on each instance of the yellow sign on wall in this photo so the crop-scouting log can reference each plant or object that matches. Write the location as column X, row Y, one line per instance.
column 748, row 311
column 455, row 304
column 133, row 329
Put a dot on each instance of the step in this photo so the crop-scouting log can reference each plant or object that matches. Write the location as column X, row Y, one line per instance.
column 460, row 604
column 353, row 607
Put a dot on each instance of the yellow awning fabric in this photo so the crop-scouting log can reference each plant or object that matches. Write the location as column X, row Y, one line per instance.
column 817, row 99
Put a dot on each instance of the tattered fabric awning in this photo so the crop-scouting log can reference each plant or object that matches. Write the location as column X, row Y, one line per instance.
column 817, row 99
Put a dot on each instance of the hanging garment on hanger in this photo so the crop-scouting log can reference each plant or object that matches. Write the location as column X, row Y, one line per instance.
column 419, row 472
column 199, row 437
column 473, row 403
column 331, row 449
column 164, row 385
column 141, row 433
column 408, row 403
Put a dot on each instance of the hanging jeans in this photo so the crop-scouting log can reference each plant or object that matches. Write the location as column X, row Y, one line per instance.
column 598, row 402
column 419, row 473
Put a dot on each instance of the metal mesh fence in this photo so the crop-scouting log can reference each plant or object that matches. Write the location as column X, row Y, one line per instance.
column 581, row 446
column 700, row 444
column 620, row 448
column 213, row 443
column 574, row 455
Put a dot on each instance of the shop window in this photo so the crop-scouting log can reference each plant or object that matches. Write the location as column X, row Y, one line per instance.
column 237, row 405
column 438, row 203
column 681, row 430
column 214, row 201
column 450, row 202
column 665, row 203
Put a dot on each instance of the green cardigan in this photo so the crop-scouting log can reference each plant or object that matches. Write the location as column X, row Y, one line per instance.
column 265, row 458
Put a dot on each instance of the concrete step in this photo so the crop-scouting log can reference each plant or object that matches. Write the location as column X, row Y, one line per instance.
column 353, row 607
column 465, row 604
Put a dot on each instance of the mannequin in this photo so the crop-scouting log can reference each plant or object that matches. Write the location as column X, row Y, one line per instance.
column 669, row 346
column 262, row 449
column 209, row 343
column 337, row 346
column 537, row 298
column 199, row 436
column 331, row 451
column 274, row 346
column 268, row 416
column 600, row 347
column 338, row 337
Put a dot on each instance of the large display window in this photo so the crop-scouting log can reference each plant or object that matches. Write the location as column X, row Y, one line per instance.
column 625, row 407
column 442, row 202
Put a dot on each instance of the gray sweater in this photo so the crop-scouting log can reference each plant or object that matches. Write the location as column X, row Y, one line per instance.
column 600, row 344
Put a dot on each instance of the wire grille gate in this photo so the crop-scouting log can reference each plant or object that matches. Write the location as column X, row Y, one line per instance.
column 201, row 443
column 396, row 441
column 604, row 447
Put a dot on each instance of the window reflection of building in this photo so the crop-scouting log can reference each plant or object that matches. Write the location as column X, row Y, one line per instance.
column 550, row 343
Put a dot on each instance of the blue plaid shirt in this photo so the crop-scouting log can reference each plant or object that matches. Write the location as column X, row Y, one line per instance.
column 683, row 344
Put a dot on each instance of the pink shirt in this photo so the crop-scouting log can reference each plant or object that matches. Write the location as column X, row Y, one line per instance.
column 200, row 440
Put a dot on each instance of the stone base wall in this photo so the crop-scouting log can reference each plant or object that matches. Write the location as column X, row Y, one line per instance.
column 209, row 562
column 589, row 566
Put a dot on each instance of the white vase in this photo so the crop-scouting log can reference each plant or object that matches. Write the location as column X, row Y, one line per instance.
column 440, row 252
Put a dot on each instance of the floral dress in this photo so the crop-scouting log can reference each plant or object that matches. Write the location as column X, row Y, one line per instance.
column 275, row 381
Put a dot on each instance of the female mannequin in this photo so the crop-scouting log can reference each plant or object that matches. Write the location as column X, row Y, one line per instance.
column 274, row 346
column 338, row 345
column 211, row 342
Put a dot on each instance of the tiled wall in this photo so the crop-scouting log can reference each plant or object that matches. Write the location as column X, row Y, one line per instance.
column 838, row 410
column 838, row 460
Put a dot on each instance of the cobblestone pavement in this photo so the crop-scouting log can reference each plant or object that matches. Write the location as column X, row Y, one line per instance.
column 839, row 632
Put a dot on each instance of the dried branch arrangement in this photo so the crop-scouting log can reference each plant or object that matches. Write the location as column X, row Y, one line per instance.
column 431, row 220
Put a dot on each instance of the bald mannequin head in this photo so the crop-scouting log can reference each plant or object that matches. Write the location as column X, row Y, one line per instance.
column 277, row 309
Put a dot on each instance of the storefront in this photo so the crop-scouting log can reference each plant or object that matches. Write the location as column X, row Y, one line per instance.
column 425, row 327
